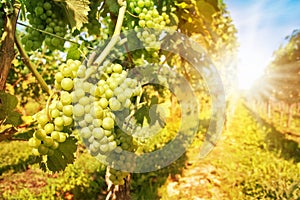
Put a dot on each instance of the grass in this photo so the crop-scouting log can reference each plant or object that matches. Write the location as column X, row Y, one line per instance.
column 252, row 160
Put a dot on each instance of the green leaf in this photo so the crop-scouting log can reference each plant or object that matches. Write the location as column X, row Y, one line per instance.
column 154, row 100
column 73, row 52
column 206, row 10
column 62, row 156
column 43, row 166
column 217, row 4
column 8, row 101
column 141, row 113
column 113, row 6
column 13, row 118
column 26, row 135
column 76, row 11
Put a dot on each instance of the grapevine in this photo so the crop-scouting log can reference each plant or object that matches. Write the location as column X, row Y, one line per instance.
column 1, row 20
column 104, row 100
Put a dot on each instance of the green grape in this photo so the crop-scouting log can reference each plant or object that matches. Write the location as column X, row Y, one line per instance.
column 114, row 104
column 55, row 145
column 138, row 10
column 97, row 123
column 108, row 123
column 55, row 113
column 48, row 141
column 78, row 110
column 68, row 110
column 49, row 128
column 47, row 6
column 141, row 3
column 66, row 99
column 67, row 120
column 42, row 118
column 59, row 121
column 103, row 103
column 62, row 137
column 40, row 134
column 85, row 132
column 43, row 150
column 88, row 118
column 34, row 142
column 98, row 133
column 55, row 135
column 67, row 84
column 44, row 16
column 38, row 11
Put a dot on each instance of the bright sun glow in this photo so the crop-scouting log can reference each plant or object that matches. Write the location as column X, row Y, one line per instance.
column 261, row 29
column 250, row 68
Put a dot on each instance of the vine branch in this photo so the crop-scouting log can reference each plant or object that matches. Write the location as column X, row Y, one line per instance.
column 47, row 33
column 7, row 52
column 31, row 66
column 115, row 35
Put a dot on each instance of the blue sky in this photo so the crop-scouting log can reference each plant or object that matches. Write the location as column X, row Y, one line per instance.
column 262, row 26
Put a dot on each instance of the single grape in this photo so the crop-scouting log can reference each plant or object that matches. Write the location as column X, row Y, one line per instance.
column 68, row 110
column 48, row 141
column 55, row 135
column 78, row 110
column 43, row 150
column 49, row 128
column 40, row 134
column 34, row 142
column 67, row 84
column 108, row 123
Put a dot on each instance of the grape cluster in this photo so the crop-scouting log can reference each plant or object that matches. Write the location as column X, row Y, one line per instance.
column 46, row 16
column 149, row 18
column 56, row 121
column 98, row 94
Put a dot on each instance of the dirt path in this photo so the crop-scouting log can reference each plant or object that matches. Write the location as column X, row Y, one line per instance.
column 203, row 179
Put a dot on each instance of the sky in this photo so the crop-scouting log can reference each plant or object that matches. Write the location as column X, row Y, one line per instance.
column 262, row 26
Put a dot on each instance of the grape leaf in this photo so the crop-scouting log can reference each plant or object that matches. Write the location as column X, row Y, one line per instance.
column 73, row 52
column 205, row 9
column 76, row 11
column 8, row 103
column 62, row 156
column 141, row 113
column 13, row 118
column 113, row 6
column 217, row 4
column 154, row 100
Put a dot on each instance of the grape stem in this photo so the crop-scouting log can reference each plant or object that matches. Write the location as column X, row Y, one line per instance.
column 114, row 40
column 48, row 105
column 115, row 37
column 31, row 66
column 132, row 14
